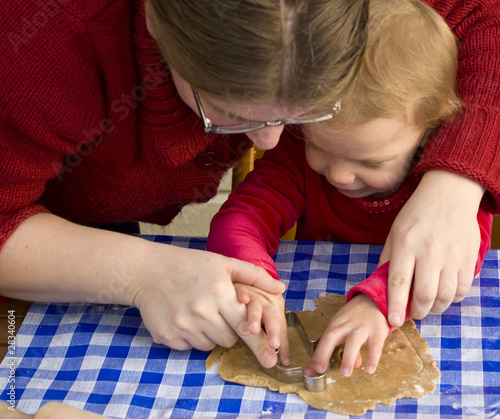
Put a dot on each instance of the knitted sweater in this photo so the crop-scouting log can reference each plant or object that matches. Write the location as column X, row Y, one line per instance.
column 92, row 127
column 283, row 189
column 93, row 130
column 468, row 145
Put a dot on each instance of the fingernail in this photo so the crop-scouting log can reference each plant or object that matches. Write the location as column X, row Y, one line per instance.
column 268, row 358
column 345, row 372
column 395, row 319
column 319, row 370
column 274, row 343
column 369, row 370
column 309, row 371
column 285, row 361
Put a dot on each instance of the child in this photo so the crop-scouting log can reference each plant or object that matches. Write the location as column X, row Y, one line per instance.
column 347, row 179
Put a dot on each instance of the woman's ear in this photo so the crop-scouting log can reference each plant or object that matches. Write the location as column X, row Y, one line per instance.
column 149, row 24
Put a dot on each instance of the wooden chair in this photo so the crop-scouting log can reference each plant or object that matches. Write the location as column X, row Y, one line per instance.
column 245, row 165
column 11, row 316
column 495, row 233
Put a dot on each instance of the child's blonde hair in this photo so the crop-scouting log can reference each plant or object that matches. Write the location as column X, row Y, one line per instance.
column 409, row 69
column 291, row 52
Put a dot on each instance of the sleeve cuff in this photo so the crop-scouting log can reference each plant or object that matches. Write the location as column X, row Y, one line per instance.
column 375, row 287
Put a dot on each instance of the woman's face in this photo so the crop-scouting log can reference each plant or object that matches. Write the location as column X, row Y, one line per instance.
column 226, row 114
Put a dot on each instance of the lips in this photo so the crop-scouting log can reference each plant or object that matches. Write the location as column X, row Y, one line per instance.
column 356, row 193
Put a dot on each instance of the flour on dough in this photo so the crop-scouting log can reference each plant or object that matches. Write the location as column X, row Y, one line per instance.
column 406, row 369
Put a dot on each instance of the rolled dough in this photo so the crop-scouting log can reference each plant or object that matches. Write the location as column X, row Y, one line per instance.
column 406, row 369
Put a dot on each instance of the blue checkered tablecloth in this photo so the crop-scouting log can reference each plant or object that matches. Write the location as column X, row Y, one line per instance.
column 103, row 360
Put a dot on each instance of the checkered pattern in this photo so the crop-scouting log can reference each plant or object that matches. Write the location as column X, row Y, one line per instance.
column 104, row 361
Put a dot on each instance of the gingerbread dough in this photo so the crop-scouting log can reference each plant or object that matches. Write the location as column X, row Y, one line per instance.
column 406, row 369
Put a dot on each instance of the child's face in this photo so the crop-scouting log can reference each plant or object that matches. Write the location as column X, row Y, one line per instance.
column 371, row 159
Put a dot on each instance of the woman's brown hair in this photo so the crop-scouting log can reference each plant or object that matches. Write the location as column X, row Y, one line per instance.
column 289, row 52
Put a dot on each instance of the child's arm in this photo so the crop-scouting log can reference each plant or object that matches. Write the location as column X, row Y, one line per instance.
column 250, row 223
column 358, row 323
column 363, row 319
column 263, row 208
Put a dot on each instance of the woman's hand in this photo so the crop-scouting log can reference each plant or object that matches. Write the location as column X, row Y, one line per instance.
column 187, row 299
column 434, row 244
column 358, row 323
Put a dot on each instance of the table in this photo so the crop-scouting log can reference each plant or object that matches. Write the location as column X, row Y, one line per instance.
column 21, row 309
column 104, row 360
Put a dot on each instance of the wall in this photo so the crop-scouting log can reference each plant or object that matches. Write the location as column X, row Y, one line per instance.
column 194, row 219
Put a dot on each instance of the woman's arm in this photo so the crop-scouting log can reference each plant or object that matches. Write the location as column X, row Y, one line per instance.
column 433, row 246
column 434, row 239
column 186, row 297
column 377, row 285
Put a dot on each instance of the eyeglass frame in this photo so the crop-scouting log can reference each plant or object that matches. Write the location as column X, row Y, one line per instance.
column 209, row 128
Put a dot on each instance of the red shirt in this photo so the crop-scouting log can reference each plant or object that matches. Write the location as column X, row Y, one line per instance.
column 283, row 189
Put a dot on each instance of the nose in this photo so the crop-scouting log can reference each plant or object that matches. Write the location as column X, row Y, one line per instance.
column 266, row 138
column 340, row 175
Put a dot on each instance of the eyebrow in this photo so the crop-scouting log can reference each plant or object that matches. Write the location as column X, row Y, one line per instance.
column 229, row 114
column 377, row 161
column 369, row 161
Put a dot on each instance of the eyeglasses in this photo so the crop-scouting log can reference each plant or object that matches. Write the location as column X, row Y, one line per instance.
column 255, row 125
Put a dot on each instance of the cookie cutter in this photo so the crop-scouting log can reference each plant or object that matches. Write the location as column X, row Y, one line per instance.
column 316, row 383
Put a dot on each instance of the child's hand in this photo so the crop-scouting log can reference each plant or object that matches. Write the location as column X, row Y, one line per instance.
column 358, row 323
column 269, row 310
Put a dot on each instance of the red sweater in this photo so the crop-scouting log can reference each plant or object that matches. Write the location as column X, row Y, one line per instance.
column 91, row 124
column 283, row 189
column 93, row 130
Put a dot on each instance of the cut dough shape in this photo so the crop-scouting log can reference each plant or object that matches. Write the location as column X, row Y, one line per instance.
column 406, row 369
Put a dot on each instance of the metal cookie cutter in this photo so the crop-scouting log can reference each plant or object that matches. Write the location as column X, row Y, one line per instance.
column 314, row 384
